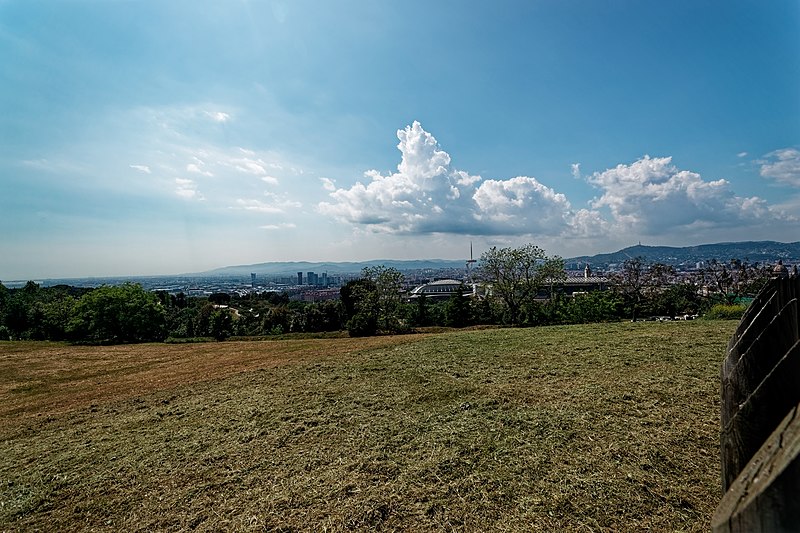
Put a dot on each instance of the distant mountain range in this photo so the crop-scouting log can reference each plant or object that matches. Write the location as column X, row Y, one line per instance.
column 293, row 267
column 758, row 251
column 752, row 251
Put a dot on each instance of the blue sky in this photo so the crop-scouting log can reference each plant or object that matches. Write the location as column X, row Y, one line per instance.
column 157, row 137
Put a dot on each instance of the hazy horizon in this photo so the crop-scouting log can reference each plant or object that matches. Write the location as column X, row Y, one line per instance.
column 374, row 260
column 151, row 138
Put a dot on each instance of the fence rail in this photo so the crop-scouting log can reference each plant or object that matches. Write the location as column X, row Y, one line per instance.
column 760, row 437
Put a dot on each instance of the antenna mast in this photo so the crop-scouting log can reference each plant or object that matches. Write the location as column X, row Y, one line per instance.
column 470, row 261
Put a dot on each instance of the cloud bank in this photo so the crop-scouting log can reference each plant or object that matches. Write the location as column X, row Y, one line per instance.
column 650, row 196
column 783, row 166
column 428, row 195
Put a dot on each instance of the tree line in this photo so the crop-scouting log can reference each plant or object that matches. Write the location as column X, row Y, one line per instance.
column 522, row 287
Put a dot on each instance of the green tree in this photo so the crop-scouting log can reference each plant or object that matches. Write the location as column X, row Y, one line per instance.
column 221, row 324
column 4, row 296
column 277, row 320
column 595, row 306
column 678, row 299
column 727, row 282
column 484, row 311
column 374, row 302
column 332, row 315
column 419, row 312
column 457, row 311
column 639, row 283
column 352, row 294
column 53, row 318
column 181, row 321
column 219, row 298
column 517, row 274
column 388, row 297
column 121, row 314
column 5, row 332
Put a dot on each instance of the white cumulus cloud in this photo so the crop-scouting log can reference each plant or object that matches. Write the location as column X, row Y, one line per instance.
column 519, row 206
column 186, row 188
column 141, row 168
column 258, row 206
column 284, row 225
column 249, row 166
column 276, row 204
column 653, row 196
column 218, row 116
column 782, row 166
column 428, row 195
column 328, row 184
column 197, row 168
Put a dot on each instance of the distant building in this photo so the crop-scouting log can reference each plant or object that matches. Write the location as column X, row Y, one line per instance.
column 574, row 285
column 439, row 290
column 299, row 278
column 780, row 271
column 319, row 295
column 252, row 279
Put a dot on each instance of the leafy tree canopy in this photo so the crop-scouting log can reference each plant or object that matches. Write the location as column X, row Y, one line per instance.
column 517, row 274
column 125, row 313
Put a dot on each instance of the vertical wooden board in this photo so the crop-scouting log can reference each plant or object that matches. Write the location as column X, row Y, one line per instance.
column 759, row 415
column 764, row 497
column 766, row 295
column 748, row 331
column 739, row 381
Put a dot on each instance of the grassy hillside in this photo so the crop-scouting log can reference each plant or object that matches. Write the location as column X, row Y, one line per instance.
column 608, row 427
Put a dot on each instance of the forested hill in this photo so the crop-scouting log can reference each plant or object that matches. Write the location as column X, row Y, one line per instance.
column 753, row 251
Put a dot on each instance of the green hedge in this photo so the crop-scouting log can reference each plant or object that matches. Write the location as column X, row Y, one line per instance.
column 726, row 312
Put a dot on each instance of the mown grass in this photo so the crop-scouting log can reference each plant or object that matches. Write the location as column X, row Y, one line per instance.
column 610, row 427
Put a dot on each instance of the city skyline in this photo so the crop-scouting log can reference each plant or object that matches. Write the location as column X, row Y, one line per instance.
column 158, row 138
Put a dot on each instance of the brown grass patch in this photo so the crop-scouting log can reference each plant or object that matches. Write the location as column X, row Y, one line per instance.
column 38, row 378
column 608, row 427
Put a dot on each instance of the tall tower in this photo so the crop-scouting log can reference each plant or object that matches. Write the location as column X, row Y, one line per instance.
column 470, row 262
column 252, row 279
column 299, row 278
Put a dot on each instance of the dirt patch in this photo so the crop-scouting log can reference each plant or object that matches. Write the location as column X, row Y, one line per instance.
column 38, row 379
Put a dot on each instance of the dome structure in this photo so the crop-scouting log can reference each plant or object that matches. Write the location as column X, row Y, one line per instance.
column 439, row 289
column 780, row 270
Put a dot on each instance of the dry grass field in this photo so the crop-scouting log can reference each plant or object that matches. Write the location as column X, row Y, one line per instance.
column 608, row 427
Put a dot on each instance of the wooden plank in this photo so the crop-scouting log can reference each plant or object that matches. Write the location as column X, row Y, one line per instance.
column 773, row 297
column 767, row 296
column 764, row 497
column 740, row 380
column 749, row 329
column 759, row 415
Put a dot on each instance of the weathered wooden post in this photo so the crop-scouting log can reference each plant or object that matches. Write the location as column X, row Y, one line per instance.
column 760, row 437
column 765, row 495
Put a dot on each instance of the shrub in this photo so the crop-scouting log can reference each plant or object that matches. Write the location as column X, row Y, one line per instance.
column 362, row 325
column 725, row 312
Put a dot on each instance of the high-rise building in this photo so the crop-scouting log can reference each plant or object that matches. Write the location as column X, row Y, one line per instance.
column 252, row 279
column 299, row 278
column 325, row 279
column 312, row 278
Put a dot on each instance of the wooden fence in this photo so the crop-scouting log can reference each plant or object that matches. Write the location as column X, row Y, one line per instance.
column 760, row 438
